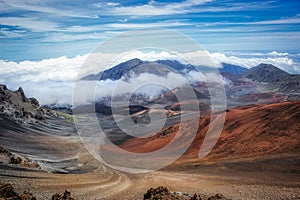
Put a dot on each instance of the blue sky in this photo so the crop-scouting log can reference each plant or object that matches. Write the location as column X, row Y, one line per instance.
column 35, row 30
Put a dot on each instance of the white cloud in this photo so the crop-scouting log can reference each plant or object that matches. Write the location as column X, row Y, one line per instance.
column 56, row 69
column 275, row 53
column 154, row 8
column 108, row 8
column 295, row 20
column 147, row 25
column 211, row 77
column 290, row 20
column 6, row 33
column 62, row 37
column 280, row 60
column 105, row 4
column 44, row 7
column 147, row 84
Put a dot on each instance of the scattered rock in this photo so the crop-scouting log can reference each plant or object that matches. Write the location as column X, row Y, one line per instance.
column 7, row 192
column 8, row 157
column 217, row 196
column 27, row 196
column 65, row 196
column 5, row 151
column 162, row 193
column 16, row 160
column 197, row 197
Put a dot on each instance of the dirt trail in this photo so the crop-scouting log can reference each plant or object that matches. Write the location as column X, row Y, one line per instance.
column 105, row 183
column 99, row 184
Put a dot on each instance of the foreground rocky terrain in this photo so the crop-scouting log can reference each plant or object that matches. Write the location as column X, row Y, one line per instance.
column 256, row 157
column 65, row 164
column 7, row 192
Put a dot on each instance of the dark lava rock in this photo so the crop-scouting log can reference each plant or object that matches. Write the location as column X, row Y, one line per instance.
column 5, row 151
column 217, row 196
column 3, row 87
column 197, row 197
column 157, row 193
column 162, row 193
column 22, row 94
column 65, row 196
column 34, row 101
column 7, row 193
column 16, row 160
column 6, row 190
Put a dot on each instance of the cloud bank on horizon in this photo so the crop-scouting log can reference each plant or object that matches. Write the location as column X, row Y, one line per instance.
column 56, row 77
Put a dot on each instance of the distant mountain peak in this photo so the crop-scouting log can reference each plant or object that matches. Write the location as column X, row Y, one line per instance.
column 137, row 66
column 266, row 73
column 131, row 63
column 270, row 68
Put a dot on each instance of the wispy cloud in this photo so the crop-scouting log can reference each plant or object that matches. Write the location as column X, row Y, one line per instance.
column 30, row 23
column 62, row 37
column 44, row 7
column 105, row 4
column 295, row 20
column 147, row 25
column 284, row 20
column 7, row 33
column 154, row 8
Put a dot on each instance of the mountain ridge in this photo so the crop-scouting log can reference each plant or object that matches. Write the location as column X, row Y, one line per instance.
column 265, row 73
column 158, row 67
column 277, row 79
column 136, row 66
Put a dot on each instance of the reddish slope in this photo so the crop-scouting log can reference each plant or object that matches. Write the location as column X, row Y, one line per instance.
column 249, row 131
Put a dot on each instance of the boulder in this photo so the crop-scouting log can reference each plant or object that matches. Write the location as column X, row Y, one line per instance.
column 66, row 196
column 34, row 101
column 7, row 192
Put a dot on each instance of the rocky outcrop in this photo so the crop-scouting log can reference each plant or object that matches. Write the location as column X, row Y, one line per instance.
column 7, row 192
column 16, row 106
column 34, row 101
column 158, row 193
column 14, row 159
column 20, row 92
column 65, row 196
column 162, row 193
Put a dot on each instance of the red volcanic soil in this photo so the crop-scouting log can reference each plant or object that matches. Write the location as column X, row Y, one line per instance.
column 249, row 132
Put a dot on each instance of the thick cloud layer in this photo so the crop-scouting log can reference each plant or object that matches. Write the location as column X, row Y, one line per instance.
column 285, row 61
column 52, row 80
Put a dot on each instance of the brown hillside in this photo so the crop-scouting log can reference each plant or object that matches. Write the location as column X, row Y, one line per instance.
column 249, row 131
